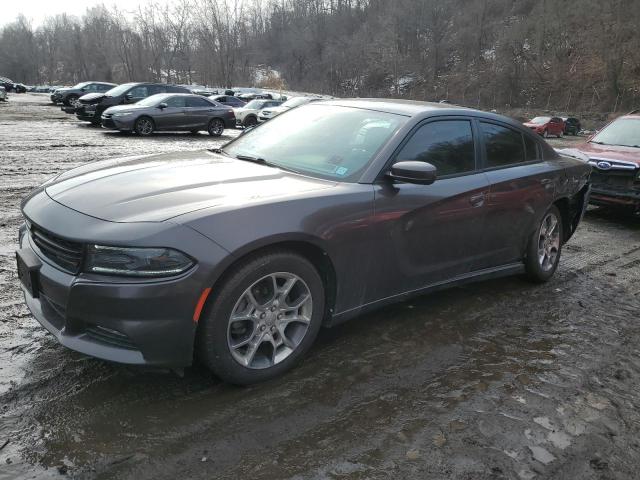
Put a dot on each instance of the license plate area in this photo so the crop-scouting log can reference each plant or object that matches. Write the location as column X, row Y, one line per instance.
column 29, row 271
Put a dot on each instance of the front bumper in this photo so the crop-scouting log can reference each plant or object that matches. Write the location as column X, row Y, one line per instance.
column 608, row 196
column 132, row 321
column 117, row 123
column 86, row 113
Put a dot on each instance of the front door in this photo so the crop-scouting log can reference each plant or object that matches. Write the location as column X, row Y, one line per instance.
column 430, row 232
column 197, row 112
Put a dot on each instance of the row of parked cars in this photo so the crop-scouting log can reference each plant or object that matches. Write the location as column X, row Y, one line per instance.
column 554, row 126
column 143, row 108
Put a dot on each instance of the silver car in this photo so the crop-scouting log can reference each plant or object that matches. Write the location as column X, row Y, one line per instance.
column 170, row 111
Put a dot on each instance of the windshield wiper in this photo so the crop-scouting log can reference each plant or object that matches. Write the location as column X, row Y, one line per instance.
column 219, row 150
column 262, row 161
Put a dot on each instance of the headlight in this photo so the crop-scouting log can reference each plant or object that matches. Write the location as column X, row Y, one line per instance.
column 136, row 262
column 121, row 114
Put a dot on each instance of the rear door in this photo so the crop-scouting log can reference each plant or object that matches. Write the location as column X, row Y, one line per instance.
column 522, row 185
column 198, row 111
column 173, row 116
column 430, row 232
column 137, row 93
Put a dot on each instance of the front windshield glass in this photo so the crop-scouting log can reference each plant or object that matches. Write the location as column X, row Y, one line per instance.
column 540, row 120
column 624, row 132
column 153, row 100
column 294, row 102
column 255, row 104
column 324, row 141
column 119, row 90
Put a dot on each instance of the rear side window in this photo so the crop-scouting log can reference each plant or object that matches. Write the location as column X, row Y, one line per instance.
column 503, row 145
column 447, row 145
column 531, row 149
column 141, row 91
column 197, row 102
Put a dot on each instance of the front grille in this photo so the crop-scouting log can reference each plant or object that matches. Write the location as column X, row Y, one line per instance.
column 64, row 253
column 110, row 337
column 613, row 178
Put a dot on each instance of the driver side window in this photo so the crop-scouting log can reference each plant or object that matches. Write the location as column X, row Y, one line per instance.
column 446, row 144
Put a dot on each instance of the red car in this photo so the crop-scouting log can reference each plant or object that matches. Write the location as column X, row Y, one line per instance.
column 546, row 126
column 614, row 154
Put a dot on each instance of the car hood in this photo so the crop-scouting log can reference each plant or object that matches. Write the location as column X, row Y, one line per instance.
column 159, row 187
column 276, row 109
column 610, row 152
column 62, row 90
column 125, row 108
column 92, row 97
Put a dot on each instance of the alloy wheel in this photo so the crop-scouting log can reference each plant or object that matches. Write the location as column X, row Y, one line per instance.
column 269, row 320
column 216, row 128
column 548, row 241
column 144, row 126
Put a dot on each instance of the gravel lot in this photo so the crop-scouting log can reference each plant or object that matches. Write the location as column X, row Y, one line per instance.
column 496, row 380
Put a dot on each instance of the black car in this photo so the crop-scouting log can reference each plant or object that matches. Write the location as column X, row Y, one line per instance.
column 91, row 106
column 571, row 126
column 229, row 100
column 172, row 112
column 241, row 254
column 70, row 95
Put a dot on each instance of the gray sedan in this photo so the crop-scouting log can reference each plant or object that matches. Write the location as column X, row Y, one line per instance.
column 173, row 112
column 239, row 255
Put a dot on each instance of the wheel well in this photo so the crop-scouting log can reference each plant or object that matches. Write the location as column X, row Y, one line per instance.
column 571, row 212
column 316, row 255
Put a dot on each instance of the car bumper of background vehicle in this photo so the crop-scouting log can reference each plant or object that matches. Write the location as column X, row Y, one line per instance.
column 614, row 197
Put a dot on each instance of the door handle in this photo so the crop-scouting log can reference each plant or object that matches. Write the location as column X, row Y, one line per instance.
column 477, row 200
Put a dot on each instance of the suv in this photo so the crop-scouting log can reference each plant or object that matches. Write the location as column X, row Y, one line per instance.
column 70, row 95
column 247, row 116
column 614, row 154
column 228, row 100
column 546, row 126
column 571, row 126
column 90, row 107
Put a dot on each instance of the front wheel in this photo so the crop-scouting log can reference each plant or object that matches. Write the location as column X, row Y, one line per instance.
column 71, row 101
column 263, row 319
column 216, row 127
column 144, row 126
column 250, row 121
column 545, row 246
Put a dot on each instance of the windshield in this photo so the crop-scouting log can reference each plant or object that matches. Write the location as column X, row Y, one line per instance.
column 153, row 100
column 540, row 120
column 324, row 141
column 255, row 104
column 294, row 102
column 624, row 132
column 119, row 90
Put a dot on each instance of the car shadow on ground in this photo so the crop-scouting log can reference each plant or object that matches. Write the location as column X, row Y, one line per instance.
column 620, row 217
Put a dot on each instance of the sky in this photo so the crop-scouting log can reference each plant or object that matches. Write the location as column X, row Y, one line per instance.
column 38, row 10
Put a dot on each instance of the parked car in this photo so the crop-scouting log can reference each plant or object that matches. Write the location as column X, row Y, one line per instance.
column 169, row 111
column 3, row 94
column 571, row 125
column 19, row 88
column 240, row 254
column 269, row 113
column 70, row 95
column 546, row 126
column 91, row 106
column 247, row 116
column 7, row 83
column 229, row 100
column 614, row 153
column 200, row 90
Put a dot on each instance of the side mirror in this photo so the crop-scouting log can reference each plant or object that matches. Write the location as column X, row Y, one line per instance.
column 162, row 106
column 128, row 96
column 422, row 173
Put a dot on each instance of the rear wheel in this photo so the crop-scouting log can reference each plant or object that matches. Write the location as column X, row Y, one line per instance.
column 545, row 246
column 216, row 127
column 144, row 126
column 263, row 319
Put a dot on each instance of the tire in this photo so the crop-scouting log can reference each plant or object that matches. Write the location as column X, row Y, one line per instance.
column 545, row 134
column 215, row 127
column 250, row 121
column 216, row 337
column 70, row 100
column 144, row 126
column 543, row 251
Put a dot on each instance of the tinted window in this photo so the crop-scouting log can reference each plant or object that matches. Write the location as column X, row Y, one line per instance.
column 531, row 149
column 503, row 145
column 141, row 91
column 447, row 145
column 178, row 102
column 197, row 102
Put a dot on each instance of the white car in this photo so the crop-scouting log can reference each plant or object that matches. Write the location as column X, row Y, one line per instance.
column 247, row 116
column 269, row 113
column 3, row 94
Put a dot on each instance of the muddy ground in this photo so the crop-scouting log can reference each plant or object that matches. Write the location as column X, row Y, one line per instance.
column 497, row 380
